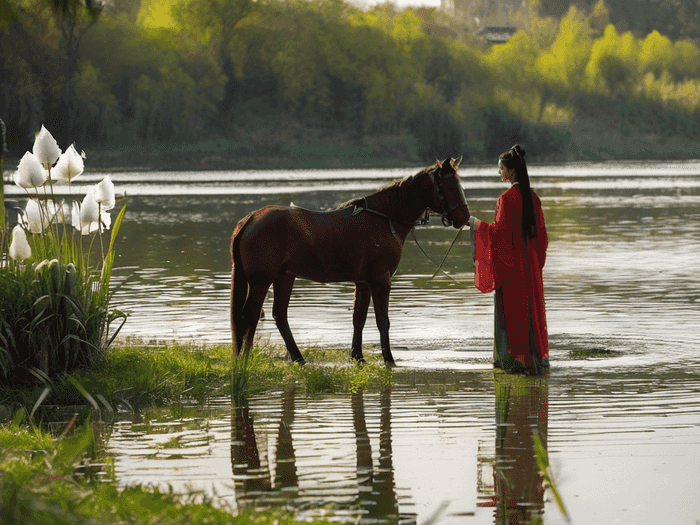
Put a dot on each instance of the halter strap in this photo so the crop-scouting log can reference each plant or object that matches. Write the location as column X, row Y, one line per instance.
column 366, row 207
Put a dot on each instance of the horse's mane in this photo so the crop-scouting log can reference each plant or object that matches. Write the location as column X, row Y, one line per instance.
column 388, row 192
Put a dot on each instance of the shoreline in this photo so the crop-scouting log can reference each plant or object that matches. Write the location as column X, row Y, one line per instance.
column 592, row 144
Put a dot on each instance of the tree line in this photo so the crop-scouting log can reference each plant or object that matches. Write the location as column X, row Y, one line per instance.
column 153, row 72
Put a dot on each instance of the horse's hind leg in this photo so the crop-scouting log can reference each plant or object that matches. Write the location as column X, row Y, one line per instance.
column 251, row 313
column 239, row 292
column 359, row 316
column 282, row 289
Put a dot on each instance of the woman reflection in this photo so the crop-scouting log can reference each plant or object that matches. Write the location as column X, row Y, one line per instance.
column 521, row 414
column 508, row 257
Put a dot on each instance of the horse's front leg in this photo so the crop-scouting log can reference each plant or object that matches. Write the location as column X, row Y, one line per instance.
column 359, row 316
column 282, row 289
column 380, row 295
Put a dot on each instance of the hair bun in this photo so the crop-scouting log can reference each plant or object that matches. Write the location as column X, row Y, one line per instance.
column 518, row 150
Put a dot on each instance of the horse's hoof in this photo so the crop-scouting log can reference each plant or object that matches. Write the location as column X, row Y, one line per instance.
column 390, row 363
column 300, row 362
column 360, row 362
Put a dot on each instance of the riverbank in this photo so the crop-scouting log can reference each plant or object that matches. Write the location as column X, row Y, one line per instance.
column 70, row 480
column 589, row 141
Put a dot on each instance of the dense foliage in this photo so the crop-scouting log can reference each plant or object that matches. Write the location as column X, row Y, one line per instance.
column 182, row 72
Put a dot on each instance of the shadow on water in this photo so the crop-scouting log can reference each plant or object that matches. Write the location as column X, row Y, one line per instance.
column 258, row 483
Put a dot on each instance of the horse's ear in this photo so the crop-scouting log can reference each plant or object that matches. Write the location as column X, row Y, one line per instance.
column 439, row 164
column 456, row 163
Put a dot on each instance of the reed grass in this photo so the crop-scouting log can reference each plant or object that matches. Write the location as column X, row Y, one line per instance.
column 543, row 464
column 56, row 315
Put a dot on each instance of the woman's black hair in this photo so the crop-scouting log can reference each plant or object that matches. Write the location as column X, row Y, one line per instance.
column 515, row 158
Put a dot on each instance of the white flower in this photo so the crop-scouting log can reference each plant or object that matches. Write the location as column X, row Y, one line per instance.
column 69, row 166
column 33, row 219
column 30, row 173
column 104, row 193
column 37, row 217
column 46, row 148
column 86, row 217
column 19, row 248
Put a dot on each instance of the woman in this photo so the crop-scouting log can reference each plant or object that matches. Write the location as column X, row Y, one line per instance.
column 508, row 257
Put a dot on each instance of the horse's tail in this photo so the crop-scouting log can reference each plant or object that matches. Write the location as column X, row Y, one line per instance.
column 239, row 287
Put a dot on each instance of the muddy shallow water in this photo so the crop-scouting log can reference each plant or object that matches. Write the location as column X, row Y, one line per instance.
column 619, row 412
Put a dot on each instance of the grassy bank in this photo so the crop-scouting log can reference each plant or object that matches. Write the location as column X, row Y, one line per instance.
column 141, row 375
column 58, row 473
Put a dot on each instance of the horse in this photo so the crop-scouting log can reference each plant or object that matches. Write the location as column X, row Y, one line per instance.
column 359, row 241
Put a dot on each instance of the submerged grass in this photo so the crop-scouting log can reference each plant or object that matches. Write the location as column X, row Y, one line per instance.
column 593, row 353
column 39, row 484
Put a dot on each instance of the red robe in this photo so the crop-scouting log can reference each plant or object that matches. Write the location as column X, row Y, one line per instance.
column 504, row 261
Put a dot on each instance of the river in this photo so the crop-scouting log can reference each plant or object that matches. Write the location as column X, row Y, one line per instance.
column 619, row 413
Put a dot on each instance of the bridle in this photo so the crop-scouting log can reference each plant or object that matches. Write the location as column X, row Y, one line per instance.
column 447, row 211
column 440, row 196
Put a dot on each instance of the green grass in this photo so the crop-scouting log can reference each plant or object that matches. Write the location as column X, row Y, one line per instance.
column 137, row 375
column 592, row 353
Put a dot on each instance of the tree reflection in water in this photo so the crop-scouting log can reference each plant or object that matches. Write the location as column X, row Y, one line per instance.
column 517, row 493
column 375, row 497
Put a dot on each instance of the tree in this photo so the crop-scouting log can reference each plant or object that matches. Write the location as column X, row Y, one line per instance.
column 613, row 65
column 563, row 64
column 216, row 22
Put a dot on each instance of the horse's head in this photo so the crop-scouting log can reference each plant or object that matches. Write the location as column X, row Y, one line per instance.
column 448, row 195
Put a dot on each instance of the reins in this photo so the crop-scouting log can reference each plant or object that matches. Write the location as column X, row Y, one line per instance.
column 439, row 266
column 437, row 188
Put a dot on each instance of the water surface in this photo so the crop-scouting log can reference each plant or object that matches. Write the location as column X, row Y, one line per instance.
column 619, row 413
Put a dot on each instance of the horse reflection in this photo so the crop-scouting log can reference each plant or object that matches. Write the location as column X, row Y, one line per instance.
column 521, row 413
column 376, row 491
column 377, row 494
column 251, row 475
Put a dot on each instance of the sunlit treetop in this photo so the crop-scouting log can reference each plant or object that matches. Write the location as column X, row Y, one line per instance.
column 156, row 14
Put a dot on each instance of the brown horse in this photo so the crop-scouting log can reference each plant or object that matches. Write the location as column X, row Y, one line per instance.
column 360, row 241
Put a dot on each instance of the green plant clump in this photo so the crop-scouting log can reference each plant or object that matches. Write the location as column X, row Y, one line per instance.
column 54, row 302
